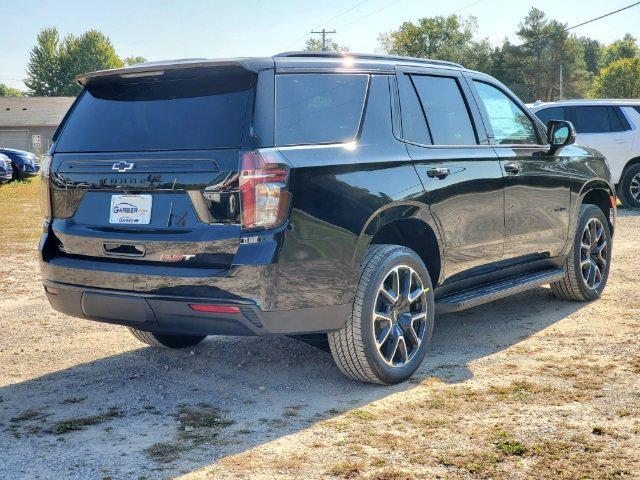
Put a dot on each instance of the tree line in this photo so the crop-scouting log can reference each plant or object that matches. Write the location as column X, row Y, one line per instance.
column 531, row 67
column 54, row 62
column 546, row 63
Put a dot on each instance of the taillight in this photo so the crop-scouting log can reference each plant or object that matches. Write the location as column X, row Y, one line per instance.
column 45, row 188
column 264, row 189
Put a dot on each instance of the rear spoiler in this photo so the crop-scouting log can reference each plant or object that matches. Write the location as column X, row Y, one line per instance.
column 154, row 69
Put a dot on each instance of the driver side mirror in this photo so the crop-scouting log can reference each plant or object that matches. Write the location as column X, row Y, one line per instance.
column 559, row 134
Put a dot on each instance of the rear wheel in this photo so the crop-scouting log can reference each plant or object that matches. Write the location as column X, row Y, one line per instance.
column 587, row 266
column 629, row 187
column 387, row 334
column 165, row 340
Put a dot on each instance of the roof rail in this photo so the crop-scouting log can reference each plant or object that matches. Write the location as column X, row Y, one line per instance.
column 367, row 56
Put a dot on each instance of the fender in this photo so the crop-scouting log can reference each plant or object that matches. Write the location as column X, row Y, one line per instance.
column 394, row 212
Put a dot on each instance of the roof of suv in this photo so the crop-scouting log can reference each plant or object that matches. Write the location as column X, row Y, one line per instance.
column 587, row 102
column 283, row 61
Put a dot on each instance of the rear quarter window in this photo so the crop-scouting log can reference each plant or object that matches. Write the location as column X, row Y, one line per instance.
column 318, row 108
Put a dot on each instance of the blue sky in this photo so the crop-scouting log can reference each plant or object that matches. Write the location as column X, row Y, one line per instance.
column 163, row 29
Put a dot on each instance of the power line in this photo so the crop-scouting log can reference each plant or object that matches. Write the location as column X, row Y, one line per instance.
column 473, row 4
column 344, row 12
column 390, row 4
column 538, row 40
column 602, row 16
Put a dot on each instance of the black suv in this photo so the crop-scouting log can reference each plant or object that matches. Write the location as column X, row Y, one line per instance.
column 351, row 196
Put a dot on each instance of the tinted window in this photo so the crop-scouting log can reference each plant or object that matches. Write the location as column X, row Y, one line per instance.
column 617, row 120
column 323, row 108
column 508, row 121
column 207, row 112
column 553, row 113
column 414, row 125
column 591, row 119
column 447, row 114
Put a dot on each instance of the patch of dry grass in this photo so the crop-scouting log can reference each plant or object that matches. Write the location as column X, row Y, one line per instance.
column 20, row 229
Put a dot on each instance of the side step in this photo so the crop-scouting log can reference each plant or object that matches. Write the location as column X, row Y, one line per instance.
column 493, row 291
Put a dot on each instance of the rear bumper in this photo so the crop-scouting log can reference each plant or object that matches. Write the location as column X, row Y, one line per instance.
column 172, row 314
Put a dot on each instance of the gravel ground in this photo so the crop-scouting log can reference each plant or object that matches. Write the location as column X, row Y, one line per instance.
column 85, row 400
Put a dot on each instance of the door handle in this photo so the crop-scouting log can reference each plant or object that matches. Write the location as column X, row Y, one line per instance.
column 619, row 141
column 438, row 172
column 512, row 167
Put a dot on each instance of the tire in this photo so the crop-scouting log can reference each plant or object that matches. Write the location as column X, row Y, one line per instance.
column 627, row 187
column 165, row 340
column 574, row 285
column 15, row 175
column 354, row 347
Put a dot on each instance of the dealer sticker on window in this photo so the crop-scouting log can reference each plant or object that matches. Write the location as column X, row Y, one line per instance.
column 130, row 209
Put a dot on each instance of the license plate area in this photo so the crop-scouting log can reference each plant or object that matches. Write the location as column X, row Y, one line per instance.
column 130, row 209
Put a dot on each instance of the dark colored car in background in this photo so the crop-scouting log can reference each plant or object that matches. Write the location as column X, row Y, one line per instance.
column 6, row 170
column 25, row 164
column 351, row 196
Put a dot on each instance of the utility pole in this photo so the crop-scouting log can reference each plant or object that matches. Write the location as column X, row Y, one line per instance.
column 561, row 84
column 323, row 33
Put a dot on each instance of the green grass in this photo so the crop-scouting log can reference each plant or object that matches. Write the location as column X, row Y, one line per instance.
column 20, row 229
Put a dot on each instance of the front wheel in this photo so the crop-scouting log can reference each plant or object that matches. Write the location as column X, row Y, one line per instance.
column 387, row 334
column 587, row 266
column 629, row 187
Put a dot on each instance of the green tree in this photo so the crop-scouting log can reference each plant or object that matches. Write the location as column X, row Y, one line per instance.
column 440, row 38
column 89, row 52
column 627, row 47
column 315, row 45
column 7, row 91
column 593, row 53
column 43, row 69
column 134, row 60
column 621, row 79
column 54, row 64
column 533, row 68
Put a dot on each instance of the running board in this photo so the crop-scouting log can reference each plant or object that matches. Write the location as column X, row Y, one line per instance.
column 494, row 291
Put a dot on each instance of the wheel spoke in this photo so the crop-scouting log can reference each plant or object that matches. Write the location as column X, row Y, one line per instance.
column 383, row 335
column 390, row 295
column 409, row 331
column 393, row 345
column 402, row 350
column 413, row 296
column 591, row 280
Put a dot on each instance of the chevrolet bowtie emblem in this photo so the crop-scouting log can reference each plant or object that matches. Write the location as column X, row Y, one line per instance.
column 122, row 166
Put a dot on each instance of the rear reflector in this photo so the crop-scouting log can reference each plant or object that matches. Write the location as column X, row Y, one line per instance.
column 214, row 308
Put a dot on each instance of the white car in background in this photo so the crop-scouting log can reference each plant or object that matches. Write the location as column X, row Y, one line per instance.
column 610, row 126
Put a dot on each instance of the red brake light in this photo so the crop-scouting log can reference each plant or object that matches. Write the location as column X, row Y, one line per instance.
column 214, row 308
column 263, row 189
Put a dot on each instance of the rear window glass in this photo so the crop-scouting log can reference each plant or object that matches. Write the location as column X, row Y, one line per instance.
column 447, row 115
column 322, row 108
column 182, row 114
column 592, row 119
column 553, row 113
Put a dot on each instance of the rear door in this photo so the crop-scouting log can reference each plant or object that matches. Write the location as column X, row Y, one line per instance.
column 145, row 169
column 606, row 129
column 537, row 185
column 460, row 171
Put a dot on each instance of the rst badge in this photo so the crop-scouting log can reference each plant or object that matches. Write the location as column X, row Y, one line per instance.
column 130, row 209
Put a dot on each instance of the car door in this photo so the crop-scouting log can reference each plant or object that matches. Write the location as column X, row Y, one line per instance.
column 461, row 173
column 606, row 129
column 537, row 185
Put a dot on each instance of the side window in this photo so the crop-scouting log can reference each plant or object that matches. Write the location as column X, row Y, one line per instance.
column 414, row 125
column 552, row 113
column 591, row 119
column 617, row 119
column 509, row 123
column 322, row 108
column 447, row 115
